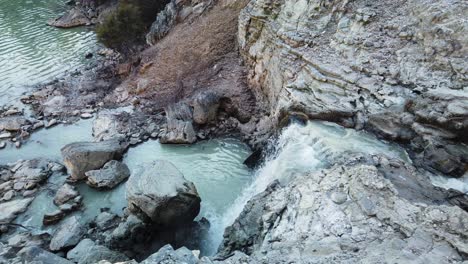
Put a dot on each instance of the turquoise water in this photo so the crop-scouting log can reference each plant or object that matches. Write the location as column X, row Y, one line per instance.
column 32, row 52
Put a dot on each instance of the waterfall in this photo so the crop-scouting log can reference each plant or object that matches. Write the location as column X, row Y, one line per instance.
column 302, row 149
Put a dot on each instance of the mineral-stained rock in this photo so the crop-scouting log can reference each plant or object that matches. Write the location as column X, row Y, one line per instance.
column 81, row 157
column 87, row 252
column 160, row 192
column 73, row 18
column 9, row 210
column 68, row 234
column 53, row 217
column 65, row 194
column 179, row 125
column 113, row 173
column 38, row 255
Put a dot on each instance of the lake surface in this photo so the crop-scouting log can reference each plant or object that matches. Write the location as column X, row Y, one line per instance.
column 32, row 52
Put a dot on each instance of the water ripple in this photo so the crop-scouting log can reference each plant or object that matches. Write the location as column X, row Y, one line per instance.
column 31, row 52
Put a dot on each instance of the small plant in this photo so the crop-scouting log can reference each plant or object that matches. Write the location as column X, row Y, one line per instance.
column 121, row 27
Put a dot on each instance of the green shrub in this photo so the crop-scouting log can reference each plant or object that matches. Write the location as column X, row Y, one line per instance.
column 121, row 27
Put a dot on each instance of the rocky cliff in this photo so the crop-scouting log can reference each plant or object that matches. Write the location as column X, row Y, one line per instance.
column 396, row 68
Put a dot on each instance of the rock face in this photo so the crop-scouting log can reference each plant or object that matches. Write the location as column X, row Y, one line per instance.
column 82, row 157
column 68, row 234
column 163, row 23
column 353, row 212
column 354, row 62
column 179, row 125
column 113, row 173
column 160, row 192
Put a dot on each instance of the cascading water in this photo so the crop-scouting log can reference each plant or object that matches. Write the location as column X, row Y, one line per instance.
column 303, row 149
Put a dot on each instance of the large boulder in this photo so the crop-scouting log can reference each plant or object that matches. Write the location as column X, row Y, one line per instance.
column 160, row 192
column 68, row 234
column 81, row 157
column 113, row 173
column 179, row 125
column 205, row 108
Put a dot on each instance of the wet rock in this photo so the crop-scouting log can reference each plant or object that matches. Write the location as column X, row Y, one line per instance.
column 65, row 194
column 168, row 255
column 109, row 176
column 105, row 220
column 127, row 232
column 441, row 160
column 68, row 234
column 86, row 115
column 205, row 108
column 9, row 195
column 179, row 125
column 5, row 135
column 52, row 218
column 9, row 210
column 32, row 171
column 73, row 18
column 2, row 145
column 13, row 123
column 87, row 252
column 38, row 255
column 82, row 157
column 160, row 192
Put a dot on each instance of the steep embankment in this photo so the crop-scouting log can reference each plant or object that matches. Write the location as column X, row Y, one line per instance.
column 397, row 68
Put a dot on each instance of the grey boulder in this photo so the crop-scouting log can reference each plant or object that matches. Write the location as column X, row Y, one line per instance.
column 113, row 173
column 38, row 255
column 65, row 194
column 161, row 193
column 87, row 252
column 170, row 256
column 68, row 234
column 9, row 210
column 81, row 157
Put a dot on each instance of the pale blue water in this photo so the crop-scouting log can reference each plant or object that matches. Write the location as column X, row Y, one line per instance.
column 32, row 52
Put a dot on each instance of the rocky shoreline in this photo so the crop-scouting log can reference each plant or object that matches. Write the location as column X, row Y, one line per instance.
column 248, row 69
